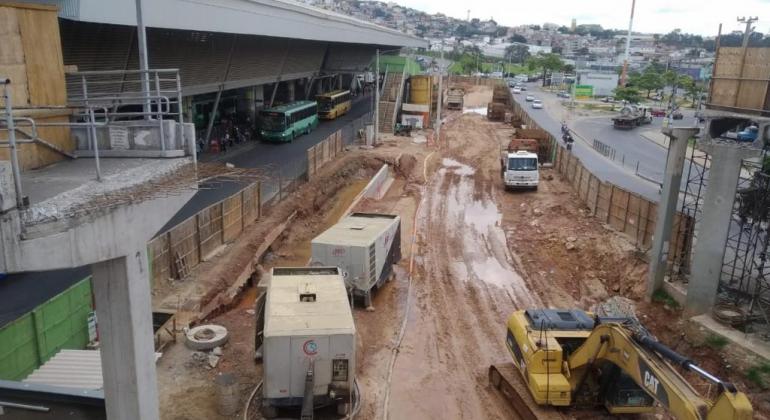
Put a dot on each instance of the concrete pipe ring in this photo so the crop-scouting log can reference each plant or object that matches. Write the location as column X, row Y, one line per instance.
column 206, row 337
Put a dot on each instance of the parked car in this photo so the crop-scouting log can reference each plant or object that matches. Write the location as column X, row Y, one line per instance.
column 563, row 94
column 657, row 112
column 530, row 98
column 537, row 104
column 749, row 134
column 523, row 88
column 677, row 115
column 516, row 90
column 609, row 100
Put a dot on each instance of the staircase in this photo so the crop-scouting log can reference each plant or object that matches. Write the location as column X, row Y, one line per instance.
column 390, row 100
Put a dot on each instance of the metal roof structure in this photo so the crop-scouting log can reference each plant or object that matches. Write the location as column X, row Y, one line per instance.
column 287, row 315
column 80, row 369
column 275, row 18
column 358, row 229
column 70, row 369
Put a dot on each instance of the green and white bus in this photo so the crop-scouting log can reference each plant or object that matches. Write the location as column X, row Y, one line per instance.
column 286, row 122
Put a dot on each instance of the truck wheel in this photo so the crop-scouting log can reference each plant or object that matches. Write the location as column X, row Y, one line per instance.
column 343, row 408
column 269, row 412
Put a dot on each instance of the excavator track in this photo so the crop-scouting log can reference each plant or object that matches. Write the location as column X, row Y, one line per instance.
column 507, row 380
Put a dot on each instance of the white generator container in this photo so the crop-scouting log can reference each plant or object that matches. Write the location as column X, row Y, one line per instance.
column 364, row 246
column 309, row 340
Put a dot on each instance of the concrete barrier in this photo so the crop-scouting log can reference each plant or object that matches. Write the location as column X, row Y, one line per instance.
column 376, row 188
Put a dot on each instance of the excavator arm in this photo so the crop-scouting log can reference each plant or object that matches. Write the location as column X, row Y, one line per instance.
column 637, row 354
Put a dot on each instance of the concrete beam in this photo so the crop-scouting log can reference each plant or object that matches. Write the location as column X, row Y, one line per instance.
column 672, row 179
column 724, row 172
column 86, row 240
column 122, row 300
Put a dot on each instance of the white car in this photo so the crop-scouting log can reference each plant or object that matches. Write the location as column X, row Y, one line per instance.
column 537, row 104
column 530, row 98
column 516, row 90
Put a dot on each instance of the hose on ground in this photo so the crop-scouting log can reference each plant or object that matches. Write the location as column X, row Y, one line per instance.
column 353, row 412
column 404, row 322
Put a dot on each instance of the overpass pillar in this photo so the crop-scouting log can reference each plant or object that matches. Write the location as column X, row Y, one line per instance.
column 714, row 228
column 291, row 87
column 124, row 315
column 669, row 199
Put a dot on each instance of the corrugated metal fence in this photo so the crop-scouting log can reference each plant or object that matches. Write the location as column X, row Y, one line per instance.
column 189, row 242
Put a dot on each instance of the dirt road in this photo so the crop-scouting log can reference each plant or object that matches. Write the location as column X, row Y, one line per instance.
column 465, row 285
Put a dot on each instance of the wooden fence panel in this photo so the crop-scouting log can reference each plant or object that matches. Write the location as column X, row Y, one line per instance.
column 618, row 208
column 603, row 201
column 250, row 200
column 593, row 193
column 232, row 218
column 161, row 258
column 210, row 229
column 575, row 179
column 585, row 178
column 632, row 216
column 183, row 242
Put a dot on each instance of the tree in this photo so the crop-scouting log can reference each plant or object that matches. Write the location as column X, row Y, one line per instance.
column 517, row 38
column 694, row 91
column 517, row 53
column 582, row 51
column 649, row 81
column 569, row 68
column 628, row 94
column 547, row 62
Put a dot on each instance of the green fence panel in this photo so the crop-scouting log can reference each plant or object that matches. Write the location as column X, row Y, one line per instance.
column 18, row 349
column 59, row 323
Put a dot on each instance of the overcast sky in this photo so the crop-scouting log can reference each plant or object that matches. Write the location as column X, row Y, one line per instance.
column 661, row 16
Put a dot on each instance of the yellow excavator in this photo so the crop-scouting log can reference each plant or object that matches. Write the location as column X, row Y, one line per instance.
column 572, row 358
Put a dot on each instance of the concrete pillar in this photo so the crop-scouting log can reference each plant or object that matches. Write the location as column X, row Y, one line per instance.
column 714, row 227
column 672, row 179
column 124, row 315
column 250, row 94
column 290, row 88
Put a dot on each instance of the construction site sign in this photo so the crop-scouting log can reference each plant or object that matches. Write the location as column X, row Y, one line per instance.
column 584, row 91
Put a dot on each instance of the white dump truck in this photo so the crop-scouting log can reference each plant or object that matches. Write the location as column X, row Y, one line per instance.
column 309, row 341
column 520, row 169
column 365, row 246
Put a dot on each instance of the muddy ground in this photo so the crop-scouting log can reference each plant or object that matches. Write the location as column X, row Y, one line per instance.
column 478, row 254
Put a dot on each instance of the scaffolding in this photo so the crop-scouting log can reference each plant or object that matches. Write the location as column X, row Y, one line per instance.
column 690, row 215
column 744, row 283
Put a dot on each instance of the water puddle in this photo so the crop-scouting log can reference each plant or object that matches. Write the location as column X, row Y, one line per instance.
column 482, row 110
column 477, row 242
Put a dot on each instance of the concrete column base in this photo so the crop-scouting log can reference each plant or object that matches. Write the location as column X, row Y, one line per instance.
column 124, row 316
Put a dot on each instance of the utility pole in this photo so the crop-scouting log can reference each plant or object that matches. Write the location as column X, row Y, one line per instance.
column 440, row 100
column 624, row 74
column 143, row 62
column 377, row 99
column 749, row 29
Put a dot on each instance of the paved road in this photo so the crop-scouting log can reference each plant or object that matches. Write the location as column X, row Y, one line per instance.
column 600, row 166
column 630, row 146
column 287, row 159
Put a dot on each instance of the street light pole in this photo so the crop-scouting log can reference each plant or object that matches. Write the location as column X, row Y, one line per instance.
column 143, row 62
column 377, row 98
column 440, row 100
column 624, row 74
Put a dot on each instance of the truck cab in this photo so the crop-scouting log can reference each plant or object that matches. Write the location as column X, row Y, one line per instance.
column 520, row 169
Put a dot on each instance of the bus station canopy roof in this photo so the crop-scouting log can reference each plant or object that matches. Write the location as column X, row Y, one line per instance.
column 275, row 18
